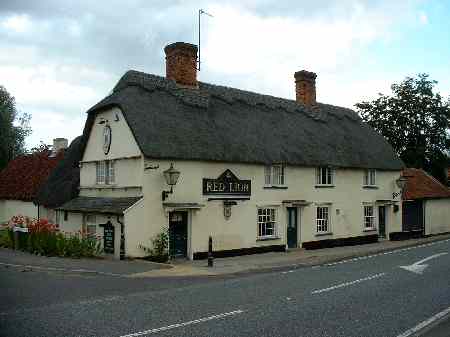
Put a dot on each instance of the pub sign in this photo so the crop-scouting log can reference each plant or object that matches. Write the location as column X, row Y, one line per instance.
column 226, row 184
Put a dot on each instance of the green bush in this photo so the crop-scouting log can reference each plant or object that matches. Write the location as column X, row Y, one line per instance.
column 158, row 252
column 6, row 238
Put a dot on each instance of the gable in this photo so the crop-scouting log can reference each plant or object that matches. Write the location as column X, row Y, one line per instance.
column 123, row 143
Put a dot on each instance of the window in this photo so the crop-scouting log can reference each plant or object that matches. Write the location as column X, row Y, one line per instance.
column 105, row 172
column 66, row 215
column 370, row 177
column 91, row 227
column 101, row 172
column 111, row 175
column 90, row 218
column 91, row 231
column 322, row 221
column 266, row 222
column 274, row 175
column 324, row 176
column 368, row 217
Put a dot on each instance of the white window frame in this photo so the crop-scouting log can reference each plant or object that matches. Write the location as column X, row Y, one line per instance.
column 369, row 217
column 370, row 177
column 275, row 175
column 111, row 173
column 91, row 223
column 91, row 231
column 266, row 218
column 105, row 172
column 323, row 224
column 100, row 172
column 329, row 176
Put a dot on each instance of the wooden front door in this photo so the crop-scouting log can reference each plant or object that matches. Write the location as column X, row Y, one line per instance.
column 178, row 234
column 292, row 227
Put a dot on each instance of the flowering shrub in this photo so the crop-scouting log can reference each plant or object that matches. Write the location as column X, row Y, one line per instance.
column 44, row 238
column 19, row 221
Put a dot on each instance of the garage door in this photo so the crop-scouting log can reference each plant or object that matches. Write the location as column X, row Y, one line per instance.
column 413, row 216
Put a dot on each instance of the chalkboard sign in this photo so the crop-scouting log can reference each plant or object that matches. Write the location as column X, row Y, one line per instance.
column 108, row 238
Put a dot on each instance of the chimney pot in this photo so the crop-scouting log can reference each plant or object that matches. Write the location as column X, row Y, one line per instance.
column 181, row 63
column 59, row 144
column 305, row 87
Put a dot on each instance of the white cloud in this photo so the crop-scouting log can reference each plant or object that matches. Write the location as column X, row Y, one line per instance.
column 48, row 125
column 17, row 23
column 423, row 18
column 262, row 53
column 60, row 59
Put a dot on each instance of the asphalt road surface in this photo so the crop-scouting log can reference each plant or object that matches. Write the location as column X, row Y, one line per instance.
column 395, row 294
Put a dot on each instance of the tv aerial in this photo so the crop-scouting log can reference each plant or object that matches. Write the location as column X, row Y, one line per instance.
column 200, row 12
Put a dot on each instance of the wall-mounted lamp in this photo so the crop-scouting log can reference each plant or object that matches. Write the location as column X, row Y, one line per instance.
column 171, row 175
column 401, row 182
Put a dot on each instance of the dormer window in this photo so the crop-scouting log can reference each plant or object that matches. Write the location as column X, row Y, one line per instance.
column 370, row 177
column 324, row 176
column 274, row 175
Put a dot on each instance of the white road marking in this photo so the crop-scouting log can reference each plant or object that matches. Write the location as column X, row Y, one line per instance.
column 31, row 267
column 385, row 253
column 425, row 323
column 418, row 267
column 180, row 325
column 346, row 284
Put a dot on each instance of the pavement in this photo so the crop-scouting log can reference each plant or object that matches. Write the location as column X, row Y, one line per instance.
column 294, row 258
column 26, row 261
column 392, row 293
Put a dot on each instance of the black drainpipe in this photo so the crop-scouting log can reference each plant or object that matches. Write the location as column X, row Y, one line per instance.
column 122, row 238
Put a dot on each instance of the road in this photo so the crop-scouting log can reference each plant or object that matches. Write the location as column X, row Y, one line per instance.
column 387, row 295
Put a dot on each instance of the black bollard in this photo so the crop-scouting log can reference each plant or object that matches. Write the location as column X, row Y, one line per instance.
column 210, row 253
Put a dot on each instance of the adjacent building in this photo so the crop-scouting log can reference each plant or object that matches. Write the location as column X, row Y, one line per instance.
column 254, row 172
column 426, row 205
column 22, row 178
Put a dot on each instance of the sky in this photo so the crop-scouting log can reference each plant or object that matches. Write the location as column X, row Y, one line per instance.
column 59, row 58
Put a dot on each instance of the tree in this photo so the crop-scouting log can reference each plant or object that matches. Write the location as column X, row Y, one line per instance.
column 14, row 128
column 415, row 121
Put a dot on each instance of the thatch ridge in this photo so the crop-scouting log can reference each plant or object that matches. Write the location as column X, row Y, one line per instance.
column 217, row 123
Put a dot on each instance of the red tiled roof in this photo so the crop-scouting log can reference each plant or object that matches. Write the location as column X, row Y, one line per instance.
column 421, row 185
column 23, row 176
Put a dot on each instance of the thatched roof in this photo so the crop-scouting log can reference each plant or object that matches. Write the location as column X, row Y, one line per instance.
column 63, row 182
column 216, row 123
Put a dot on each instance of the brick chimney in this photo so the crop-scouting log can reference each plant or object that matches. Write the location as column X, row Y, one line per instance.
column 305, row 87
column 181, row 63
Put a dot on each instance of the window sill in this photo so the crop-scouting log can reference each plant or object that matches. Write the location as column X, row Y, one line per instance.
column 370, row 187
column 324, row 234
column 268, row 238
column 369, row 230
column 324, row 186
column 275, row 187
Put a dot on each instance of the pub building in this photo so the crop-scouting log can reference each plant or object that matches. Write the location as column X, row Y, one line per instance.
column 255, row 172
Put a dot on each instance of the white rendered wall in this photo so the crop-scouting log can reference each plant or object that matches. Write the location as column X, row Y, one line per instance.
column 10, row 208
column 437, row 216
